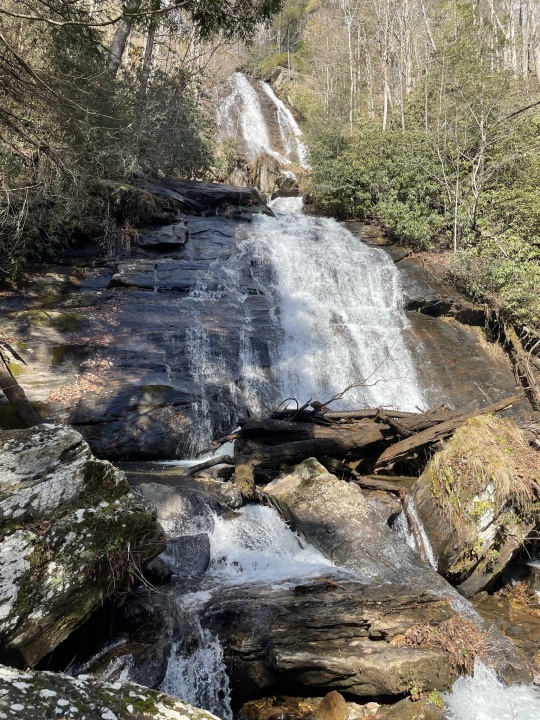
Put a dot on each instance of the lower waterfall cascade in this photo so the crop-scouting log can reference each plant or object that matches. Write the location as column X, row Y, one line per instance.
column 257, row 547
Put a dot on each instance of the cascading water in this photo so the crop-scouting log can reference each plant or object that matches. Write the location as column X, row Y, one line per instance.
column 291, row 135
column 315, row 311
column 310, row 311
column 241, row 116
column 339, row 313
column 484, row 697
column 254, row 547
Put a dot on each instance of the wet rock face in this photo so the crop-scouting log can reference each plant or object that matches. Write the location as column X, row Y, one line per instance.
column 113, row 344
column 31, row 696
column 70, row 531
column 142, row 352
column 317, row 637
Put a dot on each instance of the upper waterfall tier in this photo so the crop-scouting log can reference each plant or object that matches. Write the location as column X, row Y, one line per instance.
column 252, row 114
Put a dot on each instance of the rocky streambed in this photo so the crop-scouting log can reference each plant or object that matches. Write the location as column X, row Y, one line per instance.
column 311, row 603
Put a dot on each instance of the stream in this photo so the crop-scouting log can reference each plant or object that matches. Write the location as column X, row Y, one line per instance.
column 279, row 311
column 335, row 307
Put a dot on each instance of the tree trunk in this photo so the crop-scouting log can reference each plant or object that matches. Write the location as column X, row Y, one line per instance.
column 401, row 450
column 17, row 397
column 342, row 444
column 118, row 44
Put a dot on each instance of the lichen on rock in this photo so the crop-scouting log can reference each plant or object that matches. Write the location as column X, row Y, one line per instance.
column 72, row 533
column 44, row 695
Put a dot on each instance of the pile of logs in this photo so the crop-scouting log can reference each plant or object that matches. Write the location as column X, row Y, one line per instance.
column 373, row 447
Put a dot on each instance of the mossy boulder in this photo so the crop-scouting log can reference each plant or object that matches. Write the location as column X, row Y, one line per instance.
column 48, row 696
column 478, row 500
column 72, row 533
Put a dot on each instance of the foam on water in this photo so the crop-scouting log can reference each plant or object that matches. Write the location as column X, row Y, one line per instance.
column 484, row 697
column 256, row 546
column 339, row 313
column 200, row 677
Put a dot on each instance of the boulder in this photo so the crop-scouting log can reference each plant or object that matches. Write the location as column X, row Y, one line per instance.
column 45, row 695
column 299, row 708
column 332, row 707
column 427, row 707
column 335, row 516
column 476, row 500
column 188, row 556
column 333, row 633
column 72, row 533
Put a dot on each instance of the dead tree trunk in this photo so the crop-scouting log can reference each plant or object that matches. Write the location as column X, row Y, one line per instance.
column 17, row 397
column 406, row 448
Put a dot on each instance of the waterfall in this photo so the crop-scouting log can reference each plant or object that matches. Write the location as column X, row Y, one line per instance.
column 241, row 115
column 339, row 313
column 309, row 310
column 254, row 546
column 291, row 135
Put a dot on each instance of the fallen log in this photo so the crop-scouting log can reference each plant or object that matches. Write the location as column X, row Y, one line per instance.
column 340, row 444
column 422, row 421
column 368, row 413
column 219, row 460
column 403, row 449
column 277, row 432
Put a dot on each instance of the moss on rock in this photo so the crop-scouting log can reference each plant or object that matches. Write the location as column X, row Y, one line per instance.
column 478, row 499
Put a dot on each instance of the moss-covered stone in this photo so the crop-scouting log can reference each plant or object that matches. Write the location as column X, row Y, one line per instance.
column 478, row 499
column 72, row 534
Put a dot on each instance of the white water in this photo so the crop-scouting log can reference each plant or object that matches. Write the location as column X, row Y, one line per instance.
column 430, row 555
column 339, row 313
column 254, row 546
column 331, row 314
column 291, row 135
column 241, row 116
column 483, row 697
column 258, row 547
column 200, row 678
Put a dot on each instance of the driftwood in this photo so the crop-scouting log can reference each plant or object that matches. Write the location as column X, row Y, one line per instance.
column 340, row 444
column 403, row 449
column 15, row 394
column 417, row 422
column 370, row 413
column 276, row 432
column 219, row 460
column 359, row 444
